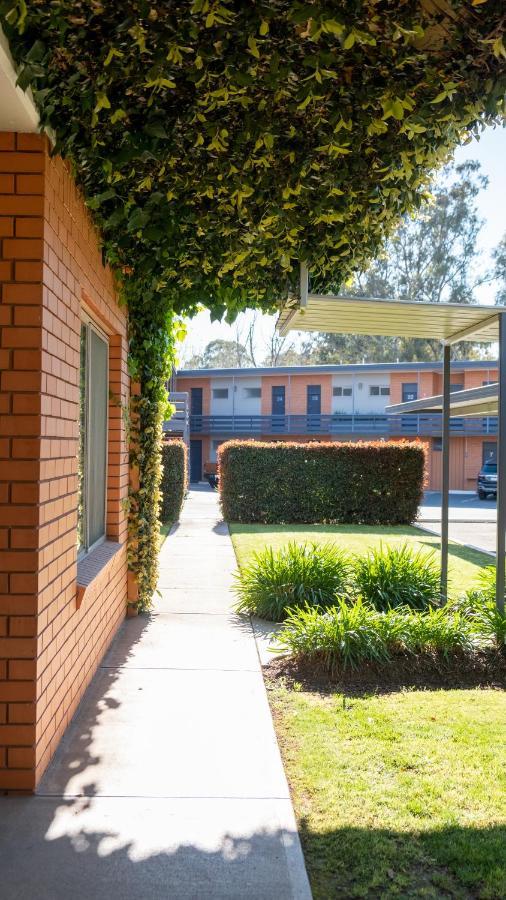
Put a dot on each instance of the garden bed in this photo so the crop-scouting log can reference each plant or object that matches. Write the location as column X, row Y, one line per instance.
column 424, row 671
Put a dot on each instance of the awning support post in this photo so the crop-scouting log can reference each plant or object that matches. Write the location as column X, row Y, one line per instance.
column 445, row 474
column 501, row 469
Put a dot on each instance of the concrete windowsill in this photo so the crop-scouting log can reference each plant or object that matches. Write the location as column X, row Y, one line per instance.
column 92, row 567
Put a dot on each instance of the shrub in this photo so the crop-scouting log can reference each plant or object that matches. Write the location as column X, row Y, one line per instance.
column 341, row 637
column 443, row 631
column 294, row 576
column 480, row 607
column 347, row 635
column 372, row 483
column 174, row 479
column 397, row 576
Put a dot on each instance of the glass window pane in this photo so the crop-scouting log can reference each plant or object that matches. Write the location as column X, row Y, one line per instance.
column 81, row 458
column 97, row 436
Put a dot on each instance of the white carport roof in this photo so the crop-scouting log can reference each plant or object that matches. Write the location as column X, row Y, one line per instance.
column 445, row 322
column 479, row 401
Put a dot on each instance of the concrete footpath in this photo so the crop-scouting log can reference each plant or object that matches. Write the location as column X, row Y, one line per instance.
column 169, row 782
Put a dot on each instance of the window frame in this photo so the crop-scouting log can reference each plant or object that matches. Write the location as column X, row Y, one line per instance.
column 409, row 387
column 247, row 395
column 374, row 390
column 90, row 325
column 225, row 392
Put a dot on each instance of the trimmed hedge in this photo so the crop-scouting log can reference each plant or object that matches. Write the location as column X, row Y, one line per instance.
column 174, row 479
column 376, row 483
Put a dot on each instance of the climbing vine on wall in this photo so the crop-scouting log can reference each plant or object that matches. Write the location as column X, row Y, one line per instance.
column 220, row 142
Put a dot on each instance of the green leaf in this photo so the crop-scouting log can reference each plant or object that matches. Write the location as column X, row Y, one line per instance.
column 253, row 48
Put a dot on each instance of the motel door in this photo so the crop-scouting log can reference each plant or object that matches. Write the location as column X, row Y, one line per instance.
column 457, row 482
column 195, row 461
column 278, row 407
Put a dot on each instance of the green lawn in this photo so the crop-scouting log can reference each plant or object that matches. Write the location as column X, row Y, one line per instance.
column 164, row 531
column 401, row 795
column 464, row 564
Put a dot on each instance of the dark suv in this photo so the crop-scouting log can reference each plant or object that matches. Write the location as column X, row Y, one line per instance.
column 487, row 480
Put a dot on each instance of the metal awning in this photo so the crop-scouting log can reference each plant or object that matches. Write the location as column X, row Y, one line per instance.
column 445, row 322
column 479, row 401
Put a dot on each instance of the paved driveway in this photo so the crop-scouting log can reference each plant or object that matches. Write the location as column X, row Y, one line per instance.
column 472, row 521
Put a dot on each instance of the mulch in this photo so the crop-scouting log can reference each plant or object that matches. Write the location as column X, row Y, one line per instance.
column 484, row 669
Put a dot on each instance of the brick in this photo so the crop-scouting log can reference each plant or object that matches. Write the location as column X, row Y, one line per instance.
column 28, row 141
column 21, row 757
column 21, row 713
column 22, row 669
column 21, row 162
column 5, row 270
column 22, row 293
column 25, row 404
column 27, row 360
column 7, row 184
column 7, row 140
column 18, row 648
column 22, row 248
column 30, row 184
column 28, row 271
column 22, row 626
column 26, row 338
column 25, row 493
column 6, row 226
column 20, row 381
column 21, row 205
column 28, row 315
column 29, row 227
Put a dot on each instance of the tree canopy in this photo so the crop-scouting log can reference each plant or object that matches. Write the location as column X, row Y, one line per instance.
column 218, row 142
column 433, row 256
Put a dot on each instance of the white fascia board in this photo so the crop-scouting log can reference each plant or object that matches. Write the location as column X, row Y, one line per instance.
column 17, row 109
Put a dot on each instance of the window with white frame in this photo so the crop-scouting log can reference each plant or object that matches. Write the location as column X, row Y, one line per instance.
column 342, row 391
column 215, row 446
column 93, row 426
column 251, row 393
column 374, row 390
column 385, row 391
column 220, row 393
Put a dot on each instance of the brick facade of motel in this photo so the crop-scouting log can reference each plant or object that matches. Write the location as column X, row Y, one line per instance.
column 466, row 451
column 52, row 635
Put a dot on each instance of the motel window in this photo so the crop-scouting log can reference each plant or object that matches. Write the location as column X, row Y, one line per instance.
column 92, row 461
column 456, row 387
column 374, row 390
column 215, row 446
column 220, row 393
column 341, row 392
column 251, row 393
column 437, row 444
column 385, row 391
column 409, row 391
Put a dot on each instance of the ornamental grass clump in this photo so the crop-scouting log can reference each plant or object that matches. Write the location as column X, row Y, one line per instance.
column 397, row 576
column 346, row 635
column 479, row 606
column 297, row 575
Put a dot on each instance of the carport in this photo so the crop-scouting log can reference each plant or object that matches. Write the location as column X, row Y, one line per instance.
column 449, row 323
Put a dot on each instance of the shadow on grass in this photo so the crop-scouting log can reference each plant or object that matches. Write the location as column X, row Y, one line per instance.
column 452, row 862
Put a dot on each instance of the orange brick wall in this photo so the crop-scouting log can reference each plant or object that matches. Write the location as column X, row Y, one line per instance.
column 50, row 269
column 186, row 384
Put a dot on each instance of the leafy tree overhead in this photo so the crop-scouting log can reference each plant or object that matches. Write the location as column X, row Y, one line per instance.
column 434, row 256
column 219, row 142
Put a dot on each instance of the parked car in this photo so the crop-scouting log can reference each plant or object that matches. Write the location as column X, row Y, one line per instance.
column 487, row 480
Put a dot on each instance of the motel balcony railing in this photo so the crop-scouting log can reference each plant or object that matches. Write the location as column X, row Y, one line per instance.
column 428, row 425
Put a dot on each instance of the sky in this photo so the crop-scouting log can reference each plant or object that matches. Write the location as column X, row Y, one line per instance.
column 490, row 151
